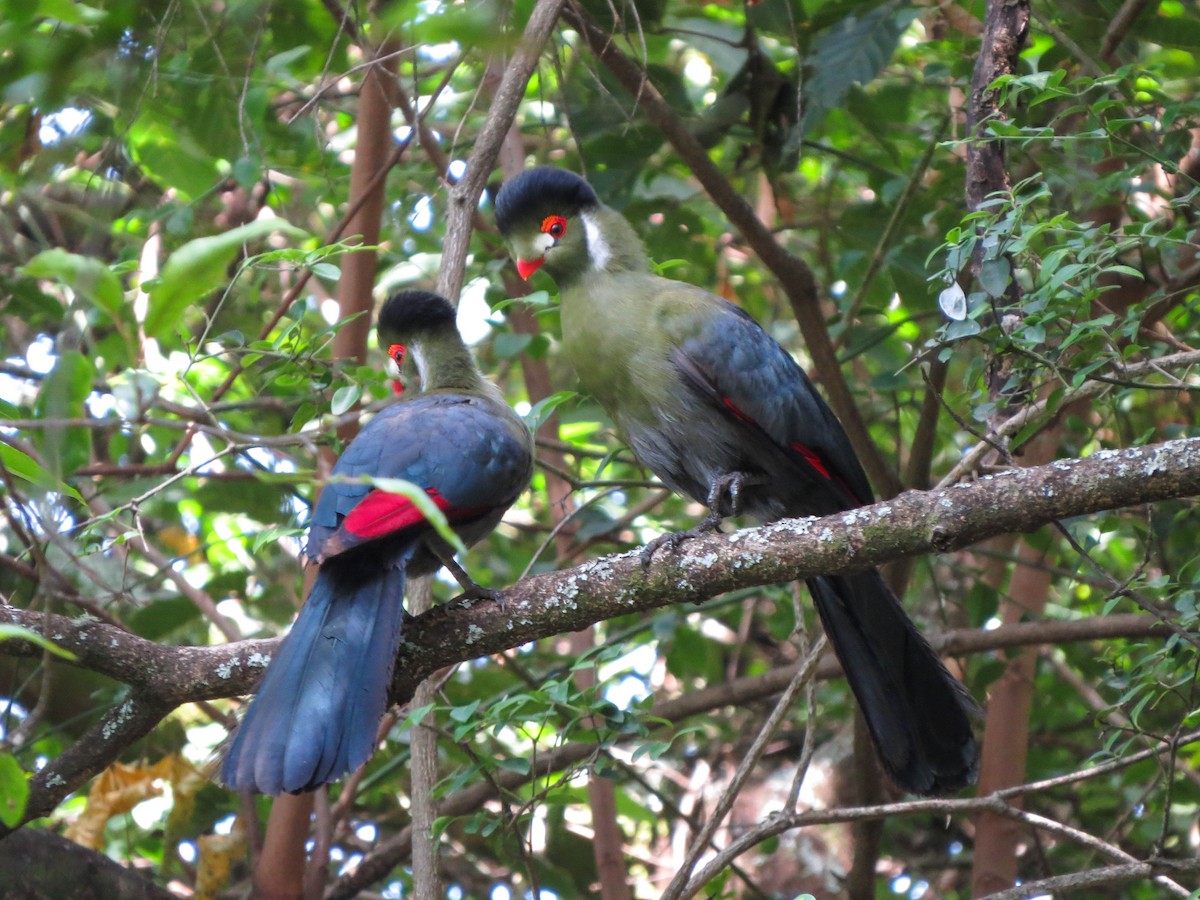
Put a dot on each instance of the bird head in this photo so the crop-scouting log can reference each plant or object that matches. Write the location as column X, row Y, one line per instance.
column 409, row 317
column 542, row 216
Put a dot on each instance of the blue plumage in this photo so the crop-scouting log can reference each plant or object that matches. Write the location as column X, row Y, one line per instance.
column 317, row 708
column 319, row 705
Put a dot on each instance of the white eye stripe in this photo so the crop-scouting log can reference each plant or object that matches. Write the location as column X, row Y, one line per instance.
column 543, row 242
column 422, row 364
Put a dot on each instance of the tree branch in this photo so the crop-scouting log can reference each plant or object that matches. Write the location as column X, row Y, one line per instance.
column 464, row 198
column 129, row 721
column 796, row 549
column 543, row 605
column 1045, row 411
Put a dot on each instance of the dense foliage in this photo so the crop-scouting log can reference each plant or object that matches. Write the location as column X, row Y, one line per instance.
column 173, row 179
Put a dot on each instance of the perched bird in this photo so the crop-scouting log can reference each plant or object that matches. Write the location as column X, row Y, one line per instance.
column 320, row 702
column 719, row 411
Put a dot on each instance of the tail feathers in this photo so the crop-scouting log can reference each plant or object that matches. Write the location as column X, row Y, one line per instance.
column 318, row 707
column 918, row 714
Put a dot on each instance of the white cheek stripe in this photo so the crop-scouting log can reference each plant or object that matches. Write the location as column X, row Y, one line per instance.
column 422, row 365
column 598, row 248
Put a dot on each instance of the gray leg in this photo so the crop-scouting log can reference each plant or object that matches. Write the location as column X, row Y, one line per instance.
column 724, row 499
column 471, row 590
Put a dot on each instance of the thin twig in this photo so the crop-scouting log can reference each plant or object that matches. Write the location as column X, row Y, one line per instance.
column 679, row 886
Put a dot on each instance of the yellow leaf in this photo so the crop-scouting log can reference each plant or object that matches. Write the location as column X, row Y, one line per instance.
column 116, row 790
column 217, row 854
column 180, row 542
column 121, row 787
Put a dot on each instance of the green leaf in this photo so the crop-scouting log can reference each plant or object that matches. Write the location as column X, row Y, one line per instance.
column 304, row 414
column 19, row 633
column 26, row 467
column 271, row 535
column 544, row 407
column 956, row 331
column 70, row 12
column 994, row 276
column 1034, row 333
column 199, row 267
column 88, row 277
column 279, row 63
column 424, row 503
column 853, row 50
column 65, row 448
column 414, row 716
column 1127, row 270
column 464, row 713
column 344, row 399
column 14, row 791
column 509, row 343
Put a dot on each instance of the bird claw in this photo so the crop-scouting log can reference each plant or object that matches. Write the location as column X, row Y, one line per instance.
column 709, row 524
column 471, row 590
column 725, row 492
column 478, row 592
column 724, row 499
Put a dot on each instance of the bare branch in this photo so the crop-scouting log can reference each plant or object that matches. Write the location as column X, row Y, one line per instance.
column 464, row 198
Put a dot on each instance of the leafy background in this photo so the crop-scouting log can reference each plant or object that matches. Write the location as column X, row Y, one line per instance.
column 171, row 171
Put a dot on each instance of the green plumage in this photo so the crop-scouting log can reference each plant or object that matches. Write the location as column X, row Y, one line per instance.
column 711, row 404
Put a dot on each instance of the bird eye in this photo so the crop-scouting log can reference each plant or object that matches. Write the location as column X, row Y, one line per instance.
column 396, row 352
column 555, row 226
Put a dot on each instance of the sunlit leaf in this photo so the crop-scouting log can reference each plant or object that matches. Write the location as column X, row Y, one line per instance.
column 23, row 466
column 85, row 275
column 14, row 791
column 201, row 266
column 18, row 633
column 65, row 446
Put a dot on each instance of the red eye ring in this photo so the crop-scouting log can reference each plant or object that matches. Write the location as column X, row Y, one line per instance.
column 396, row 353
column 555, row 226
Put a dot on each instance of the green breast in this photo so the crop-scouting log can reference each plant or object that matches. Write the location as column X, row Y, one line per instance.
column 618, row 332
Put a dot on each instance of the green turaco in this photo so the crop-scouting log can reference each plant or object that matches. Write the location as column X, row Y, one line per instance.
column 719, row 411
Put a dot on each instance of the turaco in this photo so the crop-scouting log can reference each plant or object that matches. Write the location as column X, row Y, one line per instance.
column 320, row 702
column 719, row 411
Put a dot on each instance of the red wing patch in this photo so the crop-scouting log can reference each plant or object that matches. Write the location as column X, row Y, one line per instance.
column 810, row 456
column 812, row 459
column 381, row 513
column 737, row 412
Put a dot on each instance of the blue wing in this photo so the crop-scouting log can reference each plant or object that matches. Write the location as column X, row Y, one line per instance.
column 472, row 455
column 742, row 370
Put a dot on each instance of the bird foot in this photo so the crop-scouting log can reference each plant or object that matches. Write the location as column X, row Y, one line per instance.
column 708, row 525
column 725, row 492
column 471, row 590
column 478, row 592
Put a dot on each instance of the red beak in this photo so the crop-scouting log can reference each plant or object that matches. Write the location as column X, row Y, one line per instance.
column 526, row 267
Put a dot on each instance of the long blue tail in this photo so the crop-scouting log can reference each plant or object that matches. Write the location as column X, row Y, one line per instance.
column 317, row 708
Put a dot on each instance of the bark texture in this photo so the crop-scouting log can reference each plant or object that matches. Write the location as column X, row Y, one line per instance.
column 542, row 605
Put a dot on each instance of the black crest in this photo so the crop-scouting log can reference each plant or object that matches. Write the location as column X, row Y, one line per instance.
column 412, row 311
column 537, row 192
